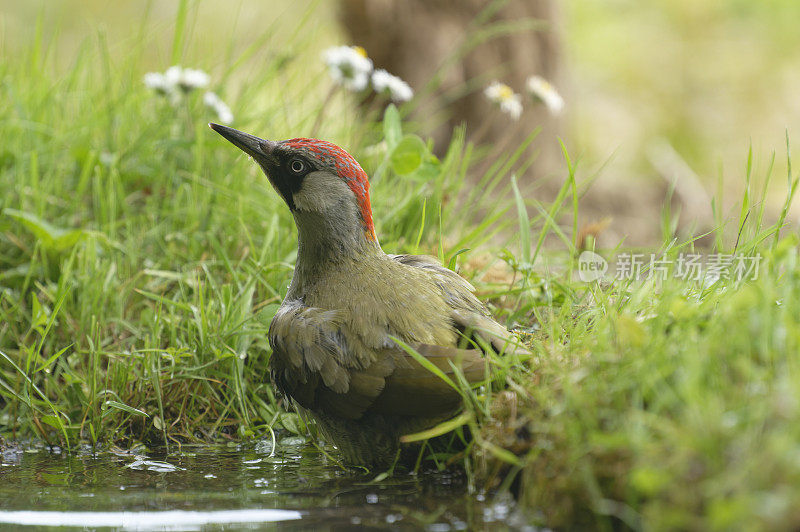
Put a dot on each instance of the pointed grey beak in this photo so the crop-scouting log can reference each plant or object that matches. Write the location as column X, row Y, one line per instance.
column 260, row 149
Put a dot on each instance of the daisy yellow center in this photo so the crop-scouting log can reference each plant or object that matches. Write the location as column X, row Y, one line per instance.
column 360, row 51
column 504, row 92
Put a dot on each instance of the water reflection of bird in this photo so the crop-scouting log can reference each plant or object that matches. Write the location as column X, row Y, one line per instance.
column 332, row 338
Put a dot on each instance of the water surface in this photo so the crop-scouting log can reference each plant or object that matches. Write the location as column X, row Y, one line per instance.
column 231, row 487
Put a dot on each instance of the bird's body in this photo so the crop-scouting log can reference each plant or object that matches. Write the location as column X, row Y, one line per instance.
column 334, row 336
column 335, row 356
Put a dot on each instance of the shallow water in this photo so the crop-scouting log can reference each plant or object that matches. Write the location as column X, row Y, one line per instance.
column 230, row 488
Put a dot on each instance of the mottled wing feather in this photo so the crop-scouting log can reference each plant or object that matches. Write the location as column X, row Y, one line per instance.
column 308, row 340
column 394, row 384
column 311, row 365
column 447, row 279
column 398, row 385
column 365, row 386
column 469, row 315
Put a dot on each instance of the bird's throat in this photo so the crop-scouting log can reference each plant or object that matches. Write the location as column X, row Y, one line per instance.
column 325, row 244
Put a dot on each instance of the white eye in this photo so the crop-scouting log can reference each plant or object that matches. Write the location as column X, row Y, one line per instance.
column 297, row 166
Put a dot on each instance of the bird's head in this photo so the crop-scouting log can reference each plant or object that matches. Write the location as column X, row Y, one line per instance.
column 314, row 177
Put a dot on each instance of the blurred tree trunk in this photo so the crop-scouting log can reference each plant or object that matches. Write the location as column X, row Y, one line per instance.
column 414, row 38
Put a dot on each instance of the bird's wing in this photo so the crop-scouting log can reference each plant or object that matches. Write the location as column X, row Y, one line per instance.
column 307, row 342
column 414, row 390
column 313, row 362
column 310, row 364
column 469, row 315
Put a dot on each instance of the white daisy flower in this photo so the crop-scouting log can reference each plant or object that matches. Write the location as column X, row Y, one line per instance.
column 349, row 66
column 542, row 90
column 186, row 79
column 172, row 76
column 157, row 82
column 391, row 86
column 218, row 106
column 193, row 79
column 501, row 95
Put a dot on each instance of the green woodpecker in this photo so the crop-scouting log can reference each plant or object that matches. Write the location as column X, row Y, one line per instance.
column 333, row 338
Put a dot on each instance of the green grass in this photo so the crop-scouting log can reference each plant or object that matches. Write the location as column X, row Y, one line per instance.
column 142, row 258
column 659, row 404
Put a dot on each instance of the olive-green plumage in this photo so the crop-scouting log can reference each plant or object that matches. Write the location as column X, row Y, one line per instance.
column 332, row 338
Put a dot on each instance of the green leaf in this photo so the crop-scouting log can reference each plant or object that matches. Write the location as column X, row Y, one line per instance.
column 500, row 453
column 52, row 359
column 68, row 239
column 50, row 236
column 292, row 423
column 169, row 302
column 524, row 224
column 440, row 429
column 428, row 171
column 408, row 155
column 53, row 421
column 392, row 128
column 38, row 314
column 452, row 262
column 125, row 408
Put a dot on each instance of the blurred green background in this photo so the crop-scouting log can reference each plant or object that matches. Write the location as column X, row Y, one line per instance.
column 709, row 77
column 656, row 90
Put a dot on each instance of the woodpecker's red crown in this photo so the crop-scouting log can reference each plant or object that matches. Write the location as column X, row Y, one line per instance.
column 329, row 154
